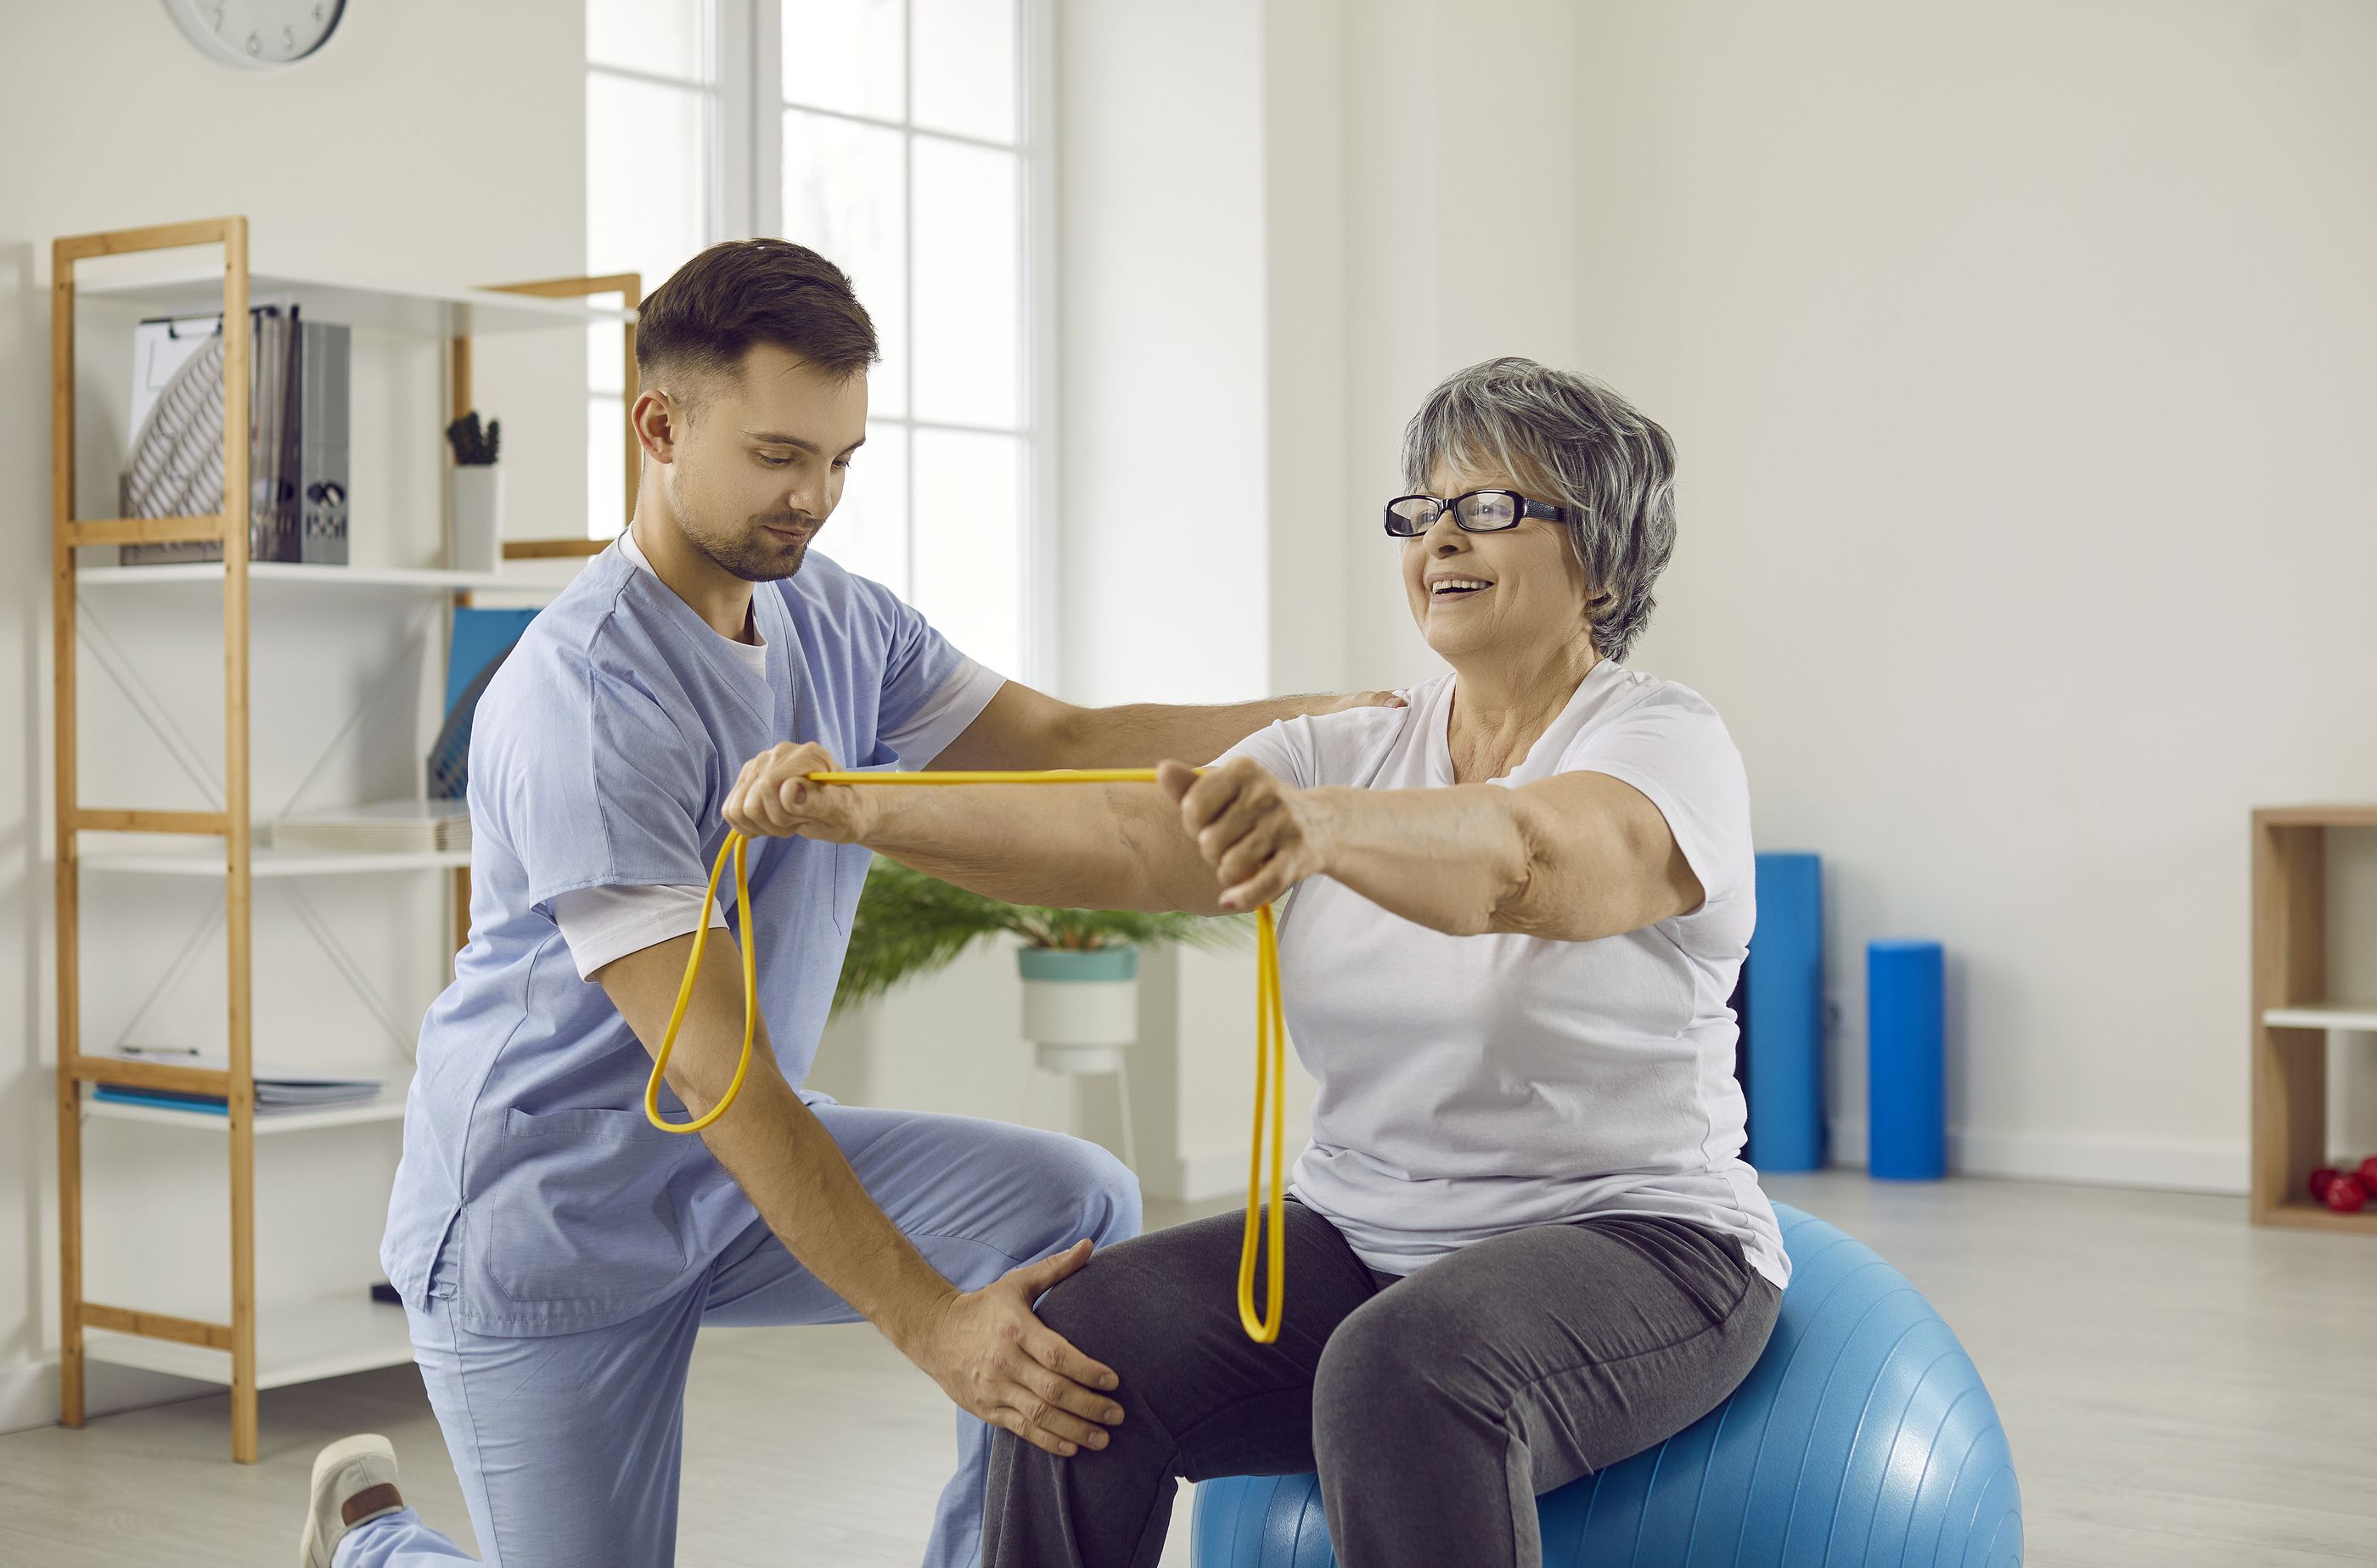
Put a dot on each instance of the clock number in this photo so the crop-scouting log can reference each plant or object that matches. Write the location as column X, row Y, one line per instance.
column 255, row 44
column 218, row 17
column 289, row 39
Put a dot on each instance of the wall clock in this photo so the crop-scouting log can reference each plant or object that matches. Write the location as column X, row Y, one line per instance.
column 258, row 34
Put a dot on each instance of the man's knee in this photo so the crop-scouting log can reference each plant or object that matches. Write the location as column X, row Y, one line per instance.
column 1106, row 1190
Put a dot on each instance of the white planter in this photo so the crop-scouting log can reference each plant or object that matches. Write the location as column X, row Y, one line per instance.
column 477, row 494
column 1080, row 1009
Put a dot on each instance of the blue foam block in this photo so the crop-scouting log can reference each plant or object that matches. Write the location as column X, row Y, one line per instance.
column 1786, row 1015
column 1905, row 1073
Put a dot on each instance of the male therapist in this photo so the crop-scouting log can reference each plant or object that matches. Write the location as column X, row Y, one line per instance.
column 557, row 1253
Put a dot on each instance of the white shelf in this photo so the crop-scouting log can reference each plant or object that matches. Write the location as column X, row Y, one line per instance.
column 373, row 303
column 204, row 858
column 274, row 573
column 2362, row 1017
column 295, row 1342
column 387, row 1106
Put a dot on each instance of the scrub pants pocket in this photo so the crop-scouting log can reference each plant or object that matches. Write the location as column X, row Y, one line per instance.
column 595, row 1212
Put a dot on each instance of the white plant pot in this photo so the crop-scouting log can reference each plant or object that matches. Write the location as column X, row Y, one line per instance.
column 1080, row 1009
column 477, row 494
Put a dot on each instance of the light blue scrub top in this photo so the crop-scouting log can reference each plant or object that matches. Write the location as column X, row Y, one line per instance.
column 600, row 756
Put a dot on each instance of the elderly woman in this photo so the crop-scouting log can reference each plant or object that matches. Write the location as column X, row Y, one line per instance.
column 1522, row 1244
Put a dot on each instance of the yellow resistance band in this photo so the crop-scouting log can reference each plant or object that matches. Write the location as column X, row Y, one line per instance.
column 1271, row 1037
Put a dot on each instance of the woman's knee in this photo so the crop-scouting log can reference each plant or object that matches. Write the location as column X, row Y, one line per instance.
column 1394, row 1367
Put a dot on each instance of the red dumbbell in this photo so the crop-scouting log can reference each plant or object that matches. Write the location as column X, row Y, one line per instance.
column 2346, row 1195
column 2368, row 1173
column 2321, row 1180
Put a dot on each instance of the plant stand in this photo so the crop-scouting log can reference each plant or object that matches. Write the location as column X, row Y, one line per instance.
column 1080, row 1010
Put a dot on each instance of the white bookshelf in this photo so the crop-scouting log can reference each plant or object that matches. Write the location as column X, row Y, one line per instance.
column 388, row 1105
column 167, row 271
column 374, row 305
column 204, row 858
column 295, row 1342
column 2359, row 1019
column 290, row 574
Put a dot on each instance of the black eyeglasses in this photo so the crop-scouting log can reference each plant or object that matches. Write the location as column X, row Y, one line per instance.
column 1479, row 511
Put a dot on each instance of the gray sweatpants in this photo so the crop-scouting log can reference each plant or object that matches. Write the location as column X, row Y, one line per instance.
column 1436, row 1407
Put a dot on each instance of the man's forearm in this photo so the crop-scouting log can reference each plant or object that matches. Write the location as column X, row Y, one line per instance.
column 1140, row 734
column 1073, row 846
column 797, row 1177
column 772, row 1145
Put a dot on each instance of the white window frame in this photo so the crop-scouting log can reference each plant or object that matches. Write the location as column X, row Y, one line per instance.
column 744, row 130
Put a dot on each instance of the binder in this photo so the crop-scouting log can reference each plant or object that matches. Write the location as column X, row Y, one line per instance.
column 299, row 382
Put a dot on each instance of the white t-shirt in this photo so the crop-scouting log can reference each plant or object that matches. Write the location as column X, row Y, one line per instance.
column 1470, row 1086
column 603, row 924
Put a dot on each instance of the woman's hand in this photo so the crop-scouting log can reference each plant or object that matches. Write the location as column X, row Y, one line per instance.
column 1259, row 834
column 773, row 797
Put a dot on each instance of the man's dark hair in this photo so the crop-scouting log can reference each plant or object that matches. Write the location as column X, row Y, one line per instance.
column 717, row 306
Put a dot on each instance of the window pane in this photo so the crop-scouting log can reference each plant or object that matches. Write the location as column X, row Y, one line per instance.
column 662, row 37
column 969, row 542
column 968, row 312
column 844, row 197
column 606, row 353
column 607, row 427
column 966, row 66
column 844, row 54
column 869, row 532
column 647, row 176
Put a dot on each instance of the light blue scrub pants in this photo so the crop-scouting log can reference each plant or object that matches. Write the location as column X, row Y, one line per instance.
column 568, row 1446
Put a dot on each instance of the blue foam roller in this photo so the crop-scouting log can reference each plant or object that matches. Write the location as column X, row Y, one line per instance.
column 1905, row 1074
column 1786, row 1016
column 1863, row 1438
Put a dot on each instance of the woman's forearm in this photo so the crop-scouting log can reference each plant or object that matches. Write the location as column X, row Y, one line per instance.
column 1447, row 858
column 1571, row 858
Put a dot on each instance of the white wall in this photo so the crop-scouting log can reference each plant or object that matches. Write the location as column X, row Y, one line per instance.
column 439, row 141
column 2018, row 359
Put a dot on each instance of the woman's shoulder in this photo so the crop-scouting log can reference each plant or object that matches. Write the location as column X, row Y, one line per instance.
column 1345, row 748
column 1639, row 695
column 1350, row 749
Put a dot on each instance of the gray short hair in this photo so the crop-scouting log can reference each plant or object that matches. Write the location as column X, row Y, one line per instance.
column 1611, row 469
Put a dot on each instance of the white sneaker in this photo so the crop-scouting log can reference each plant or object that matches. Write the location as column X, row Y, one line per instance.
column 355, row 1480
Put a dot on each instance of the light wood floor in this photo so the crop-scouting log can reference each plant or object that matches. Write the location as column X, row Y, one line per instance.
column 2181, row 1389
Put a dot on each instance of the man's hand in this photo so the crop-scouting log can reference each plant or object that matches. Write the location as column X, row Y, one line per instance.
column 773, row 797
column 992, row 1357
column 1353, row 699
column 1259, row 834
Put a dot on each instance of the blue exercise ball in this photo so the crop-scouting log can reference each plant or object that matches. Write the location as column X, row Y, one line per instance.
column 1863, row 1438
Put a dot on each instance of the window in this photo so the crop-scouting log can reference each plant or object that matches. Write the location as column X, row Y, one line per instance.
column 653, row 184
column 896, row 138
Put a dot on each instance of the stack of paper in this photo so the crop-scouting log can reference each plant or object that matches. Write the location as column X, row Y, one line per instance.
column 277, row 1088
column 385, row 827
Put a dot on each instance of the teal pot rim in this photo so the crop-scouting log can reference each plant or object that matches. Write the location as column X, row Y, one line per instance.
column 1078, row 963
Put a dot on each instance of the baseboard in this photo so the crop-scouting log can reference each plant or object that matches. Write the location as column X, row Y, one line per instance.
column 2086, row 1162
column 1215, row 1173
column 29, row 1390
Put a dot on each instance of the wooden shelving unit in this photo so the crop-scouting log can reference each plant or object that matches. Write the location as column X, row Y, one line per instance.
column 2293, row 1014
column 267, row 1345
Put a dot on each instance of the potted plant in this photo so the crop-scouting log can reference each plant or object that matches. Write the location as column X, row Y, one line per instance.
column 477, row 494
column 1080, row 966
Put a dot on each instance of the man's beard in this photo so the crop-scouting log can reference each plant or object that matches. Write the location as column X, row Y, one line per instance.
column 755, row 555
